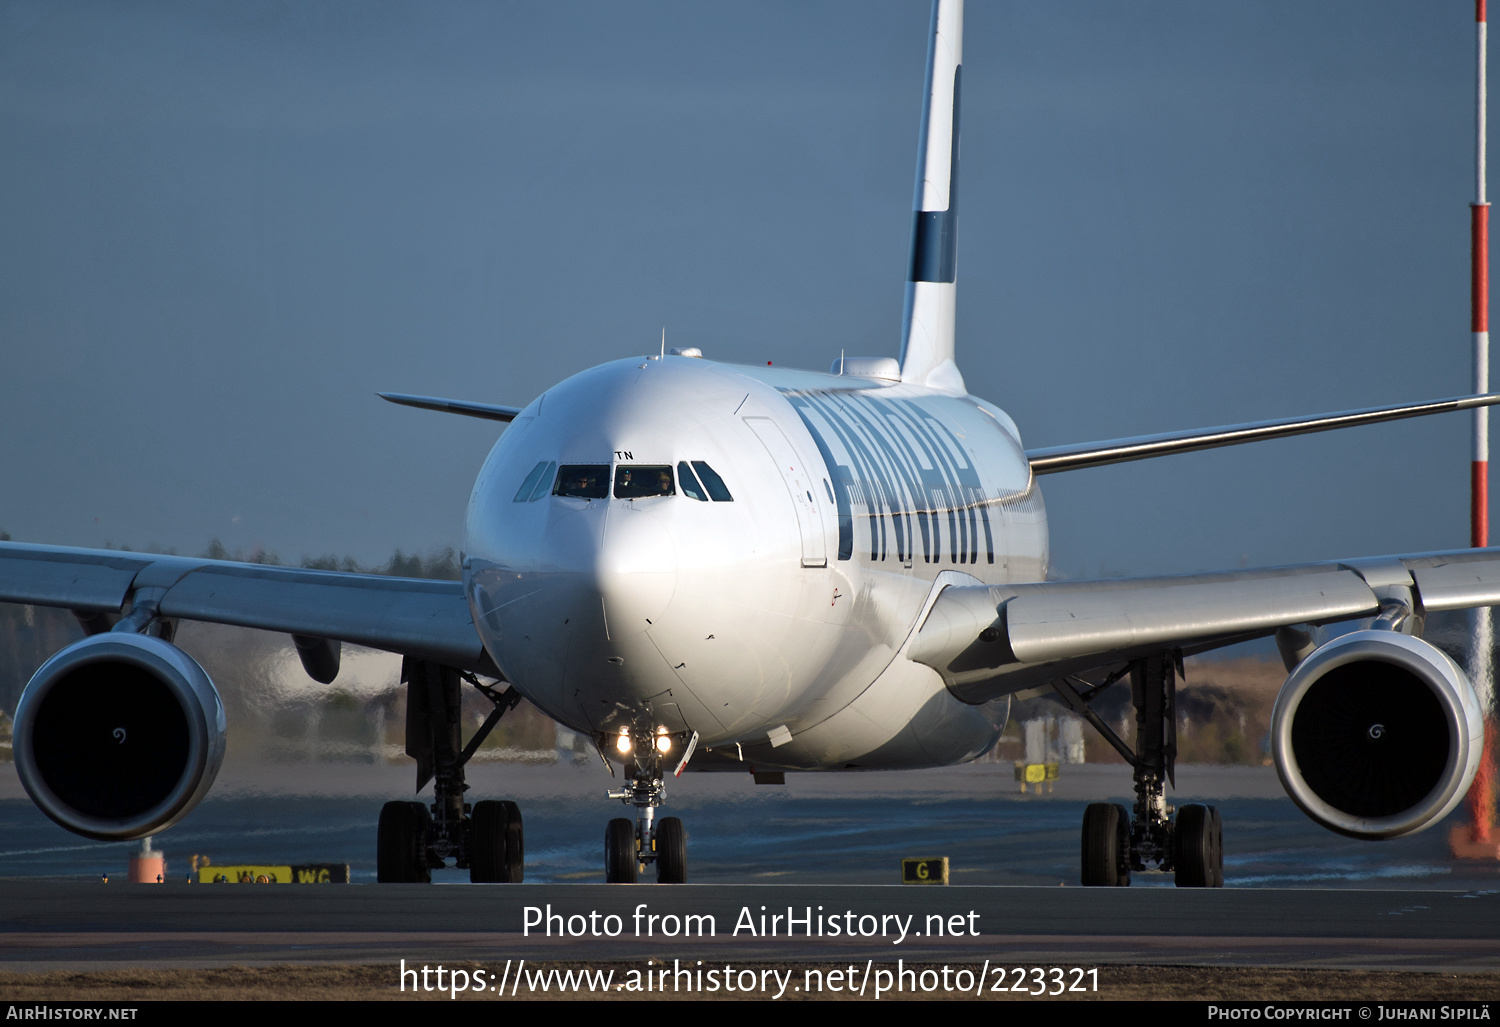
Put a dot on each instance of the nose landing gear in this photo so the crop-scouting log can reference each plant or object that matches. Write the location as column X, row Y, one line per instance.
column 630, row 848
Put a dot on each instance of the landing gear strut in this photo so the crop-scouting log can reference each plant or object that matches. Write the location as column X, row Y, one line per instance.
column 1116, row 840
column 630, row 848
column 413, row 840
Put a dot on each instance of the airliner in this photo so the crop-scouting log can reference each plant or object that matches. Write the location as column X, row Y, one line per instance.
column 711, row 567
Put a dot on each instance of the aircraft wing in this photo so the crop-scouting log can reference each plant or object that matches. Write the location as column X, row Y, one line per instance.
column 414, row 617
column 487, row 411
column 988, row 641
column 1142, row 447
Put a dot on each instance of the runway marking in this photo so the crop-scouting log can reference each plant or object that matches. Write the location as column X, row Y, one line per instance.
column 60, row 848
column 1404, row 909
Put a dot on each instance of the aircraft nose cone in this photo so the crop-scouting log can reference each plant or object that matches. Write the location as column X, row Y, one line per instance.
column 636, row 571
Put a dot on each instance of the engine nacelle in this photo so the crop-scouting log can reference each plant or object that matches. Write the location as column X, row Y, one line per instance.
column 1377, row 734
column 119, row 736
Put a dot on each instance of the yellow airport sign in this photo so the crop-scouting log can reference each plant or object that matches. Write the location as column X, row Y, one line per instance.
column 254, row 873
column 929, row 870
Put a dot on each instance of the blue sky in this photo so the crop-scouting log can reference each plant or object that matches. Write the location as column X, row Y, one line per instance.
column 225, row 226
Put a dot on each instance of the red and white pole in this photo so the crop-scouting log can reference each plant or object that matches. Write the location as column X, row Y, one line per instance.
column 1479, row 304
column 1481, row 798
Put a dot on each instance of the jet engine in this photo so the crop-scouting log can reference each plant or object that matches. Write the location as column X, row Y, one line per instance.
column 119, row 736
column 1377, row 734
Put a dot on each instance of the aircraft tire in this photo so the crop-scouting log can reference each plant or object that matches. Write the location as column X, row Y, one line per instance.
column 401, row 844
column 1193, row 846
column 489, row 835
column 515, row 845
column 1217, row 865
column 620, row 861
column 671, row 852
column 1106, row 846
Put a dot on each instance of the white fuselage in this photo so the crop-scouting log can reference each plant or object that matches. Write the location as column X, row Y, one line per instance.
column 781, row 612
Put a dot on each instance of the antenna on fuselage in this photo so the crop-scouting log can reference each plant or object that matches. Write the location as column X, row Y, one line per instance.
column 663, row 342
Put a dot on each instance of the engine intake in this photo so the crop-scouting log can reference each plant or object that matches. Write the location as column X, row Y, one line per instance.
column 119, row 736
column 1377, row 734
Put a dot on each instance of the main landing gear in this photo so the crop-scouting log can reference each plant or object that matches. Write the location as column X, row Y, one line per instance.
column 414, row 839
column 1117, row 840
column 630, row 848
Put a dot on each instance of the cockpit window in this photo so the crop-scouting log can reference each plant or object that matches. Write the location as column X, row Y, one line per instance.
column 689, row 483
column 586, row 481
column 524, row 492
column 535, row 485
column 711, row 481
column 638, row 481
column 541, row 485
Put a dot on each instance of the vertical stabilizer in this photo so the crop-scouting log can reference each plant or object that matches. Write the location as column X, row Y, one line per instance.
column 927, row 329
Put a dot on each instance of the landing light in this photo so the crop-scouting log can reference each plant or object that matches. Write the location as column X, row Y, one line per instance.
column 663, row 743
column 623, row 742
